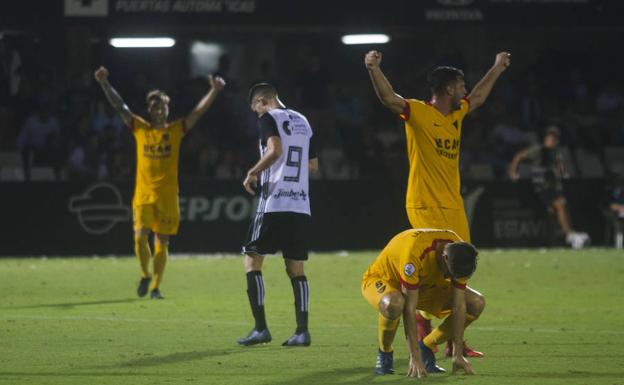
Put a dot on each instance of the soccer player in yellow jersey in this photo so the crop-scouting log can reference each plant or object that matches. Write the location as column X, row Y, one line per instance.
column 423, row 269
column 433, row 132
column 155, row 204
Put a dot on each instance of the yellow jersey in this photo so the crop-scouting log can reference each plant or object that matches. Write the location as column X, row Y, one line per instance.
column 158, row 154
column 409, row 260
column 433, row 151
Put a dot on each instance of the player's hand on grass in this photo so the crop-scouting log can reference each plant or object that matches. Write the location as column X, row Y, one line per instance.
column 416, row 368
column 372, row 60
column 250, row 183
column 503, row 60
column 101, row 74
column 216, row 82
column 462, row 363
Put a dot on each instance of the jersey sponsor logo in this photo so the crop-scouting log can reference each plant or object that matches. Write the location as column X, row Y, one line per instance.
column 99, row 208
column 379, row 285
column 157, row 150
column 448, row 148
column 409, row 269
column 294, row 195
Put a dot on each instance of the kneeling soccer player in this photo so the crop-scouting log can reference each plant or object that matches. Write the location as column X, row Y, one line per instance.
column 423, row 269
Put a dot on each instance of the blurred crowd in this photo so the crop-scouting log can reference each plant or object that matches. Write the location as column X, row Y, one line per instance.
column 62, row 120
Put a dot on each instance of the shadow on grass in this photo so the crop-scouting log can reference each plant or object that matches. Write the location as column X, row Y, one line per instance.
column 176, row 358
column 356, row 376
column 70, row 305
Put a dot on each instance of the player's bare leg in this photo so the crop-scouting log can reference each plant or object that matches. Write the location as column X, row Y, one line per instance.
column 161, row 253
column 301, row 292
column 252, row 263
column 143, row 254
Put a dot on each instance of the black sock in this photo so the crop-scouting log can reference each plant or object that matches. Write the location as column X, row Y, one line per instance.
column 302, row 300
column 255, row 292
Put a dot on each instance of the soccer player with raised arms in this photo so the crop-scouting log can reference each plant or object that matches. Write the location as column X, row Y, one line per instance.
column 423, row 269
column 433, row 132
column 155, row 204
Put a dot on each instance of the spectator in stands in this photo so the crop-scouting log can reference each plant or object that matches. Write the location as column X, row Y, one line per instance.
column 38, row 141
column 547, row 175
column 615, row 212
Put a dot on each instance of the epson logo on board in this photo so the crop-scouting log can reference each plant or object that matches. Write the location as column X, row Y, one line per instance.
column 200, row 208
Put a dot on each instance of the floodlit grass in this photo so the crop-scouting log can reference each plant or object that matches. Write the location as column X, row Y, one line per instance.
column 552, row 317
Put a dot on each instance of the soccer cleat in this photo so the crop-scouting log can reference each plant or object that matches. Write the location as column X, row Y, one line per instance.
column 384, row 363
column 143, row 286
column 428, row 359
column 468, row 351
column 155, row 294
column 255, row 337
column 301, row 339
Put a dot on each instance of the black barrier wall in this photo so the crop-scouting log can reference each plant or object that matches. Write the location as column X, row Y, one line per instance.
column 96, row 218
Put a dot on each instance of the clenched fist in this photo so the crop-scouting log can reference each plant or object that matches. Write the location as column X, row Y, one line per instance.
column 372, row 60
column 101, row 74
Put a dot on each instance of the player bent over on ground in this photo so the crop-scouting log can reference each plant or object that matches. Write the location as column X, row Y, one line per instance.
column 423, row 269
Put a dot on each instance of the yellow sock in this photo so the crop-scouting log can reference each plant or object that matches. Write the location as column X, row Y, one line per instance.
column 443, row 332
column 386, row 330
column 161, row 251
column 143, row 253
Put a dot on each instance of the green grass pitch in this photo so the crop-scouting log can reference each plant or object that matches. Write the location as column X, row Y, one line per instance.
column 552, row 317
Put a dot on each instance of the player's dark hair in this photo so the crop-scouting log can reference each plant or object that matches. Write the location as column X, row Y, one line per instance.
column 157, row 94
column 442, row 77
column 462, row 259
column 265, row 90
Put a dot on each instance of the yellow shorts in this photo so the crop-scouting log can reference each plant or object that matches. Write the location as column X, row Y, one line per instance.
column 440, row 218
column 436, row 301
column 162, row 216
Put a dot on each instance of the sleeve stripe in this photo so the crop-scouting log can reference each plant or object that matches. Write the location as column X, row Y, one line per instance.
column 459, row 285
column 409, row 286
column 406, row 112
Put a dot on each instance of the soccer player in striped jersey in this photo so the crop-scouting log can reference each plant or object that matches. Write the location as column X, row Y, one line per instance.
column 433, row 132
column 155, row 205
column 423, row 269
column 287, row 155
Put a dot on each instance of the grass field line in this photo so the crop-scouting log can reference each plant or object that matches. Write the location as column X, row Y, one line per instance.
column 496, row 329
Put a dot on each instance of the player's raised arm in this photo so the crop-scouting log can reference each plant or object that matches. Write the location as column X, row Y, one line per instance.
column 271, row 155
column 513, row 166
column 216, row 85
column 482, row 90
column 458, row 312
column 416, row 366
column 101, row 75
column 383, row 89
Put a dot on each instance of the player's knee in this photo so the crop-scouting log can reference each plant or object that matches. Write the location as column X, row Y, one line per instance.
column 477, row 305
column 391, row 305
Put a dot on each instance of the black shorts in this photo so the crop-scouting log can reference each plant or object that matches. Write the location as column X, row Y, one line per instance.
column 286, row 231
column 548, row 195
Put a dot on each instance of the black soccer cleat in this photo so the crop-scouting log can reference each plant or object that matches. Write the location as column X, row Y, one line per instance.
column 301, row 339
column 428, row 358
column 384, row 363
column 143, row 286
column 255, row 337
column 155, row 294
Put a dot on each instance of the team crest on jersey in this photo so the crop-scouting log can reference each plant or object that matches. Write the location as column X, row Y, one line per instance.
column 380, row 287
column 409, row 269
column 286, row 128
